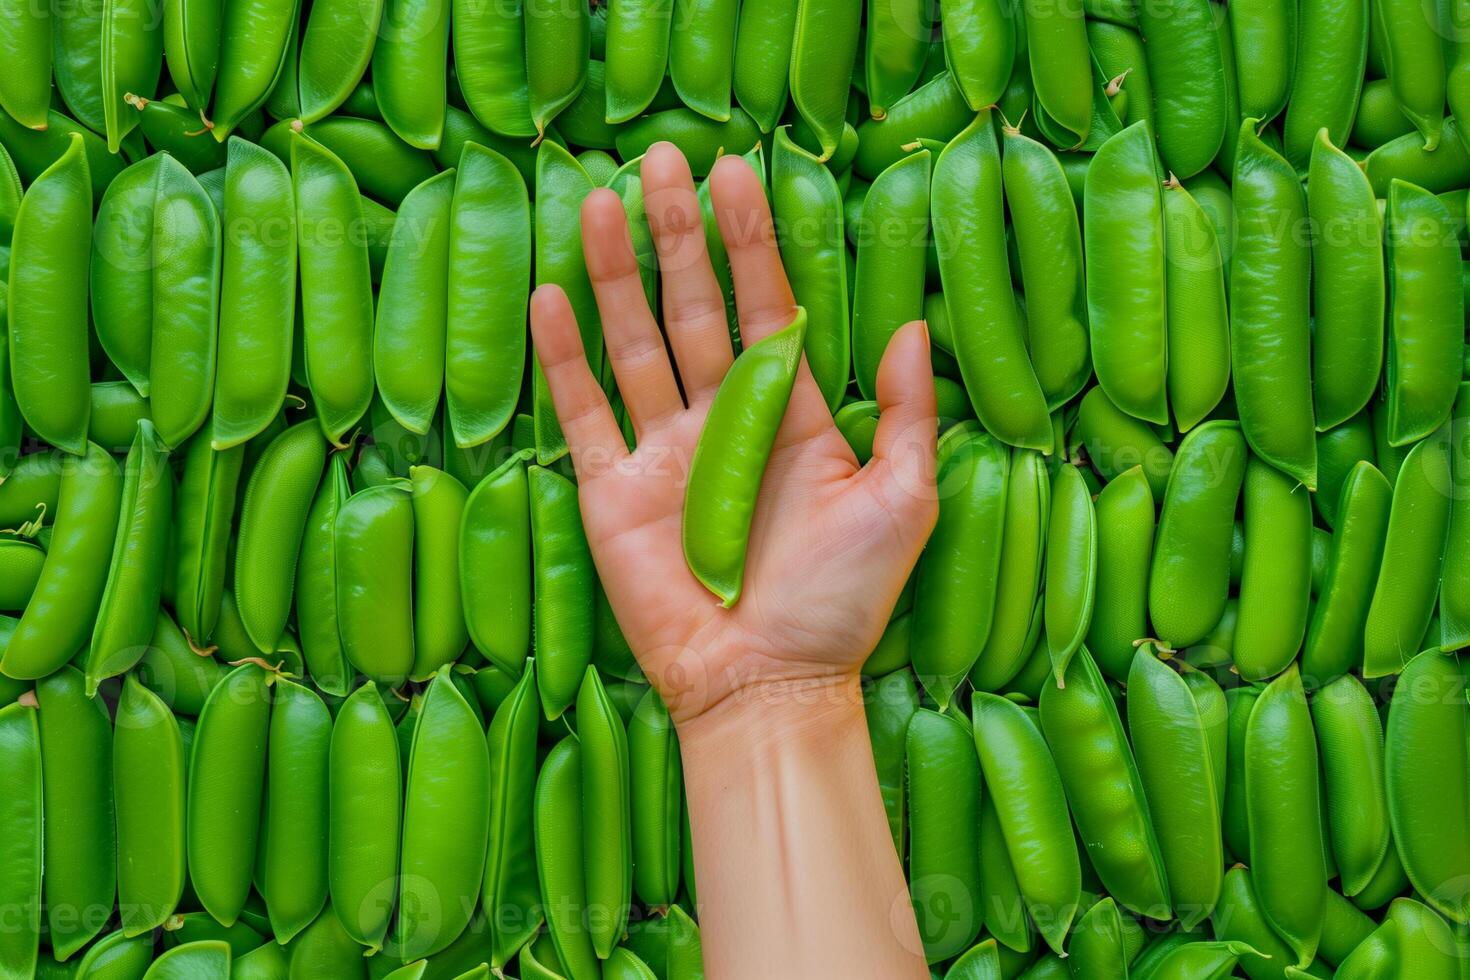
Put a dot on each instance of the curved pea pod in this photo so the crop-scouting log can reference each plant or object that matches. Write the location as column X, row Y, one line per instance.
column 980, row 49
column 148, row 769
column 1117, row 442
column 440, row 633
column 888, row 285
column 254, row 39
column 257, row 294
column 700, row 54
column 273, row 518
column 266, row 962
column 385, row 167
column 510, row 886
column 1071, row 567
column 49, row 256
column 1125, row 537
column 490, row 64
column 730, row 459
column 703, row 140
column 336, row 287
column 1198, row 320
column 1096, row 947
column 76, row 62
column 1017, row 619
column 1338, row 450
column 1347, row 284
column 316, row 584
column 1406, row 590
column 1265, row 36
column 1331, row 53
column 1350, row 738
column 295, row 861
column 943, row 796
column 890, row 704
column 1454, row 586
column 206, row 958
column 495, row 565
column 606, row 814
column 1335, row 637
column 131, row 59
column 956, row 579
column 336, row 46
column 935, row 110
column 26, row 52
column 1125, row 245
column 1276, row 579
column 558, row 43
column 1425, row 758
column 1190, row 580
column 191, row 47
column 373, row 545
column 657, row 791
column 1413, row 59
column 445, row 823
column 409, row 69
column 826, row 35
column 1061, row 69
column 364, row 796
column 1426, row 306
column 966, row 207
column 897, row 46
column 489, row 279
column 63, row 608
column 764, row 36
column 1282, row 803
column 34, row 151
column 227, row 768
column 1187, row 70
column 129, row 607
column 1106, row 796
column 114, row 955
column 1172, row 747
column 560, row 865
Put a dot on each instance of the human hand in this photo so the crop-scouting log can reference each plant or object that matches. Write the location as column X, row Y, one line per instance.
column 831, row 544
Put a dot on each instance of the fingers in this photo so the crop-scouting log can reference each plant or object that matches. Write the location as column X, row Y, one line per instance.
column 635, row 347
column 581, row 407
column 905, row 441
column 694, row 307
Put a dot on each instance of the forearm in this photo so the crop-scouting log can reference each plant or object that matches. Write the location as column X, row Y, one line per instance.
column 797, row 872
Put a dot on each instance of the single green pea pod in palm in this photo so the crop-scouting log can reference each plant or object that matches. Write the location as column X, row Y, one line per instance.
column 888, row 286
column 129, row 608
column 990, row 340
column 510, row 883
column 1071, row 567
column 560, row 862
column 1276, row 578
column 148, row 771
column 273, row 517
column 1016, row 624
column 1125, row 245
column 564, row 582
column 495, row 565
column 336, row 46
column 295, row 859
column 1181, row 41
column 489, row 278
column 896, row 47
column 1413, row 56
column 364, row 795
column 1350, row 739
column 373, row 545
column 1426, row 304
column 1347, row 285
column 1061, row 69
column 1198, row 318
column 1172, row 749
column 1454, row 586
column 26, row 53
column 890, row 705
column 730, row 459
column 1125, row 535
column 943, row 796
column 253, row 39
column 657, row 791
column 826, row 35
column 336, row 287
column 1335, row 635
column 131, row 62
column 701, row 54
column 1413, row 548
column 1269, row 301
column 558, row 47
column 20, row 872
column 1097, row 769
column 1023, row 780
column 955, row 594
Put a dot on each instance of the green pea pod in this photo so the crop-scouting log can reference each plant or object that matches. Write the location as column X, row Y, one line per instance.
column 336, row 287
column 336, row 46
column 20, row 872
column 1096, row 946
column 186, row 243
column 384, row 166
column 702, row 139
column 209, row 958
column 191, row 47
column 440, row 633
column 1061, row 70
column 114, row 955
column 1214, row 713
column 257, row 294
column 826, row 35
column 20, row 568
column 1186, row 67
column 1378, row 120
column 495, row 565
column 203, row 513
column 990, row 339
column 1018, row 608
column 1049, row 244
column 1071, row 567
column 1454, row 586
column 1268, row 328
column 657, row 790
column 409, row 69
column 1426, row 306
column 1093, row 758
column 122, row 270
column 316, row 585
column 1413, row 59
column 1332, row 46
column 253, row 41
column 1189, row 581
column 33, row 151
column 489, row 279
column 606, row 831
column 509, row 883
column 295, row 861
column 129, row 607
column 1275, row 583
column 943, row 796
column 1172, row 748
column 117, row 408
column 808, row 211
column 725, row 473
column 979, row 48
column 1264, row 35
column 1125, row 533
column 48, row 313
column 1119, row 53
column 148, row 768
column 1199, row 322
column 1350, row 738
column 1407, row 587
column 1125, row 245
column 561, row 185
column 1030, row 802
column 955, row 595
column 686, row 951
column 409, row 334
column 364, row 794
column 701, row 55
column 558, row 47
column 560, row 865
column 76, row 55
column 172, row 669
column 490, row 63
column 935, row 110
column 897, row 46
column 25, row 82
column 227, row 767
column 373, row 545
column 564, row 581
column 1405, row 158
column 131, row 61
column 888, row 286
column 324, row 949
column 63, row 607
column 1006, row 917
column 1117, row 442
column 273, row 518
column 1335, row 637
column 1347, row 284
column 890, row 704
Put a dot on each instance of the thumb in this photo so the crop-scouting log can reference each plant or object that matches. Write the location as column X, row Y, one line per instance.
column 908, row 429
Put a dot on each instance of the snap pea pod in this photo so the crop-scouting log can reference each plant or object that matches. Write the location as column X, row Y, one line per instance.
column 191, row 48
column 1061, row 69
column 364, row 792
column 1378, row 120
column 33, row 151
column 76, row 61
column 336, row 45
column 701, row 57
column 20, row 568
column 657, row 796
column 980, row 49
column 558, row 44
column 1276, row 577
column 888, row 286
column 1331, row 54
column 439, row 627
column 129, row 607
column 316, row 584
column 20, row 814
column 1269, row 300
column 25, row 83
column 1350, row 740
column 935, row 110
column 510, row 882
column 1017, row 620
column 204, row 508
column 253, row 41
column 1095, row 948
column 606, row 820
column 564, row 582
column 1125, row 533
column 1443, row 169
column 116, row 410
column 1071, row 567
column 294, row 863
column 896, row 48
column 1454, row 586
column 966, row 207
column 826, row 34
column 385, row 167
column 131, row 61
column 373, row 541
column 761, row 74
column 1181, row 42
column 943, row 794
column 890, row 705
column 560, row 864
column 1117, row 442
column 63, row 608
column 409, row 69
column 1413, row 58
column 702, row 139
column 638, row 48
column 1198, row 318
column 173, row 670
column 495, row 565
column 1334, row 642
column 121, row 271
column 1264, row 35
column 730, row 458
column 955, row 594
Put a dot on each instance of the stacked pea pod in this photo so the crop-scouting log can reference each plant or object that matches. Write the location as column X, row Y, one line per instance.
column 284, row 498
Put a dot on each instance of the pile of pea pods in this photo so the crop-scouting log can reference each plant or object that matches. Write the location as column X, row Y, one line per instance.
column 307, row 671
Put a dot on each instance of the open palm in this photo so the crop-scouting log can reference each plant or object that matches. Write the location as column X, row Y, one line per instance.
column 831, row 544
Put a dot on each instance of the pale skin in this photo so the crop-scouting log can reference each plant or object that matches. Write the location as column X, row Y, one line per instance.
column 796, row 867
